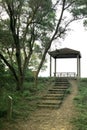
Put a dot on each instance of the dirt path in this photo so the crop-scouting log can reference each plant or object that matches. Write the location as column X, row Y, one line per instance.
column 59, row 119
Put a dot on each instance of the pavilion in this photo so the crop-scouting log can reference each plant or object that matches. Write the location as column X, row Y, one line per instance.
column 65, row 53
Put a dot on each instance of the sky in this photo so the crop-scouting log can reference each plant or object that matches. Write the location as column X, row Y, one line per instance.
column 77, row 40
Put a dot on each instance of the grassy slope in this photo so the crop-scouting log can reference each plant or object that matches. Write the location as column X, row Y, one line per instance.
column 81, row 103
column 23, row 102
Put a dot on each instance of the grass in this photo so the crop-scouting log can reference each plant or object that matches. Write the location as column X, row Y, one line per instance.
column 81, row 104
column 23, row 102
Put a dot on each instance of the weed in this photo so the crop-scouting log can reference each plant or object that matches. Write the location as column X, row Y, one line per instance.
column 81, row 104
column 23, row 102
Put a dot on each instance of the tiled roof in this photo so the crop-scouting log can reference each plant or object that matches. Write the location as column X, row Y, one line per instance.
column 65, row 53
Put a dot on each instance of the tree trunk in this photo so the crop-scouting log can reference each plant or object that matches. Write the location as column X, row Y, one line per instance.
column 49, row 43
column 36, row 80
column 19, row 83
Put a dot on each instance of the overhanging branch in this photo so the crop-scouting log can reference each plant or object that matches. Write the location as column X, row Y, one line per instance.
column 10, row 67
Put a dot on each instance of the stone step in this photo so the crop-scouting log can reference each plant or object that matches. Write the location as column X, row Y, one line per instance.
column 61, row 84
column 60, row 87
column 54, row 95
column 49, row 106
column 49, row 103
column 53, row 98
column 61, row 79
column 56, row 90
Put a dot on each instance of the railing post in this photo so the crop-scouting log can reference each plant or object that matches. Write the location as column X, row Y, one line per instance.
column 65, row 74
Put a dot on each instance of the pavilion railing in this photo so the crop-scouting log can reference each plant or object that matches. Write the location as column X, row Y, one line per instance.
column 65, row 74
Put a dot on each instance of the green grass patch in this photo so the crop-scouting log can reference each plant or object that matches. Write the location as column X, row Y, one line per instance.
column 23, row 102
column 81, row 104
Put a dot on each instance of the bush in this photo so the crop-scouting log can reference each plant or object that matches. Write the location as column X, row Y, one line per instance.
column 26, row 93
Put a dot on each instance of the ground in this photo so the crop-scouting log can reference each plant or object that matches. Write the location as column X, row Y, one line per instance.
column 52, row 119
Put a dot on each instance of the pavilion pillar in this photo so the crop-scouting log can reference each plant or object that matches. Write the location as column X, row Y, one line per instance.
column 50, row 66
column 55, row 68
column 78, row 67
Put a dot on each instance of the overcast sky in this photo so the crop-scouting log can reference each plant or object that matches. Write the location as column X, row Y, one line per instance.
column 77, row 40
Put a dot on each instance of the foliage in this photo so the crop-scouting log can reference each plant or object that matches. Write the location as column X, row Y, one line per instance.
column 36, row 58
column 79, row 10
column 81, row 104
column 25, row 28
column 68, row 91
column 22, row 23
column 23, row 102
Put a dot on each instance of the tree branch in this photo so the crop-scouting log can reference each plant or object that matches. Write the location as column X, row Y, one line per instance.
column 31, row 44
column 53, row 37
column 10, row 67
column 28, row 23
column 62, row 32
column 62, row 11
column 69, row 5
column 56, row 4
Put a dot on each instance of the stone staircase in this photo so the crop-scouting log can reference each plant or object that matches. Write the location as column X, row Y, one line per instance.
column 55, row 95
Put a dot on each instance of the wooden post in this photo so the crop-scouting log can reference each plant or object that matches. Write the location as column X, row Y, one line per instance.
column 78, row 67
column 50, row 66
column 55, row 67
column 9, row 113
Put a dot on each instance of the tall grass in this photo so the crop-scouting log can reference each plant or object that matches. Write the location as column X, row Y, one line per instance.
column 81, row 103
column 23, row 102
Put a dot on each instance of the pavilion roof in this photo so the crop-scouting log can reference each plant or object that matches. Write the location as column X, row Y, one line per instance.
column 65, row 53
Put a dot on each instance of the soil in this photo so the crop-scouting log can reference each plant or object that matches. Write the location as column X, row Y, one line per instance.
column 53, row 119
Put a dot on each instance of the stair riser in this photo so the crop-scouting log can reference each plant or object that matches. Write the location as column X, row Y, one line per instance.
column 61, row 80
column 50, row 102
column 56, row 92
column 61, row 84
column 58, row 87
column 54, row 95
column 49, row 106
column 53, row 98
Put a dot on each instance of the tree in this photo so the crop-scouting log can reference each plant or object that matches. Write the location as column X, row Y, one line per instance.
column 25, row 23
column 36, row 58
column 64, row 18
column 79, row 10
column 22, row 23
